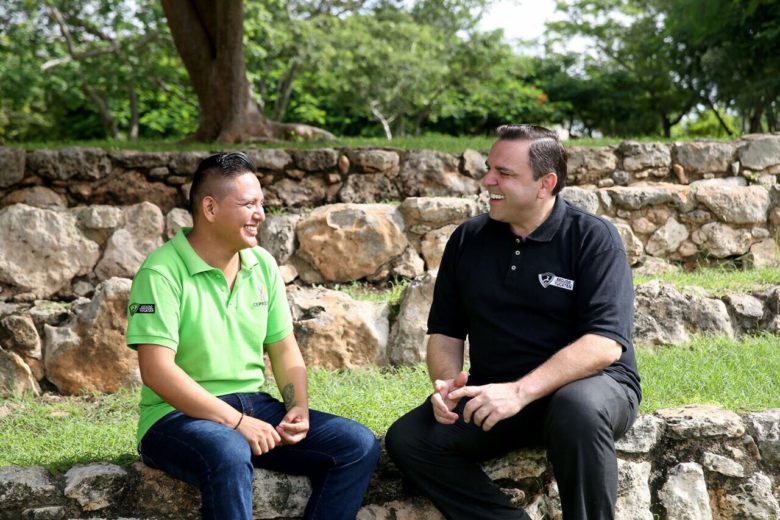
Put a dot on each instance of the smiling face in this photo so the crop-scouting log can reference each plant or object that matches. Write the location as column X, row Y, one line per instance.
column 237, row 214
column 515, row 197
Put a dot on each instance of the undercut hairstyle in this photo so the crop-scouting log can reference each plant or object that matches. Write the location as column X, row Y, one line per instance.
column 546, row 153
column 212, row 172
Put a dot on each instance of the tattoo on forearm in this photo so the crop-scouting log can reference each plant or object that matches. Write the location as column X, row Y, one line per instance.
column 288, row 394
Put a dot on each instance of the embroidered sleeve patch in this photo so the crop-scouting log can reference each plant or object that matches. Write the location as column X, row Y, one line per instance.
column 142, row 308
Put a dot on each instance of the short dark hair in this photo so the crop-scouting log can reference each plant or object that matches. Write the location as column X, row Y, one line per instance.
column 213, row 171
column 546, row 153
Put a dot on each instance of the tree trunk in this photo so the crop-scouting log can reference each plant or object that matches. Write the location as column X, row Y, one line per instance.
column 755, row 120
column 209, row 38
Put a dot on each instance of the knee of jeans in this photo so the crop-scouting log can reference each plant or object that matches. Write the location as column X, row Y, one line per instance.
column 229, row 449
column 365, row 444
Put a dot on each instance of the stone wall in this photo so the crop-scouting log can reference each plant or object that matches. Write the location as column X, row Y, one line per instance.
column 694, row 463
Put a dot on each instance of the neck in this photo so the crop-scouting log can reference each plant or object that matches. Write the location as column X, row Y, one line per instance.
column 527, row 224
column 211, row 250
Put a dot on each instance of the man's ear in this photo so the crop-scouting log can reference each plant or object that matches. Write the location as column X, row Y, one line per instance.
column 209, row 207
column 549, row 182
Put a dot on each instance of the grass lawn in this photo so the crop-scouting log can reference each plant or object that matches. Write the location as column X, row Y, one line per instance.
column 58, row 432
column 719, row 280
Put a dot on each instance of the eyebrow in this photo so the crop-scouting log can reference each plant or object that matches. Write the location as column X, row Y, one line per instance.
column 500, row 168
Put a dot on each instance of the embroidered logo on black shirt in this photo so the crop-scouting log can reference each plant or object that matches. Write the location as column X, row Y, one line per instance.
column 548, row 279
column 141, row 308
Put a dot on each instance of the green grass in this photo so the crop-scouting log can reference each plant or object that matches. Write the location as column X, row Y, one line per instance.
column 58, row 432
column 719, row 280
column 391, row 293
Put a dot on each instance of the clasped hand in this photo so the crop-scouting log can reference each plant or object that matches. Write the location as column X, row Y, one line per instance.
column 263, row 437
column 488, row 405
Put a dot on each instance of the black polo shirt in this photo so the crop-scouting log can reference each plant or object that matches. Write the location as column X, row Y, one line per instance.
column 520, row 301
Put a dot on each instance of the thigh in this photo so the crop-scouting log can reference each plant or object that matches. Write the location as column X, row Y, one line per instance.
column 186, row 448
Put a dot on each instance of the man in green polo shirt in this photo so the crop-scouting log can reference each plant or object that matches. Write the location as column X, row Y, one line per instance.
column 203, row 309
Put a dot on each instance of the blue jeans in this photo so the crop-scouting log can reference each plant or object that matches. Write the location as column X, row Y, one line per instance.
column 338, row 455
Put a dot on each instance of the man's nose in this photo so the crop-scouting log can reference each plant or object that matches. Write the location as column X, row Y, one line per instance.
column 489, row 179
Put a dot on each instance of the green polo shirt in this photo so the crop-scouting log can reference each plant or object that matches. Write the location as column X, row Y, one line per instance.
column 180, row 302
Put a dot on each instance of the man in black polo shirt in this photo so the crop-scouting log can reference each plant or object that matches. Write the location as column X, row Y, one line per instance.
column 543, row 291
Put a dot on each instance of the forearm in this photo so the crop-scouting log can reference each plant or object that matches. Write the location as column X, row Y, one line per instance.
column 289, row 372
column 585, row 357
column 160, row 373
column 444, row 356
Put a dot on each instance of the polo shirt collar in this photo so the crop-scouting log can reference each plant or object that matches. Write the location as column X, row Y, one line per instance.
column 195, row 264
column 546, row 231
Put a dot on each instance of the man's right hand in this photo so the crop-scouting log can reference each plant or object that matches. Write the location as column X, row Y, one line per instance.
column 442, row 405
column 261, row 436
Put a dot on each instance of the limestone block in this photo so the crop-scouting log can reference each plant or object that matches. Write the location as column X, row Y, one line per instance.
column 69, row 163
column 692, row 422
column 276, row 495
column 99, row 217
column 705, row 157
column 652, row 266
column 754, row 500
column 367, row 188
column 315, row 160
column 429, row 173
column 767, row 434
column 633, row 246
column 16, row 377
column 748, row 311
column 21, row 486
column 311, row 191
column 721, row 240
column 270, row 159
column 759, row 154
column 148, row 160
column 95, row 486
column 517, row 465
column 45, row 513
column 185, row 163
column 335, row 331
column 11, row 166
column 423, row 214
column 723, row 465
column 36, row 196
column 42, row 250
column 416, row 508
column 667, row 238
column 161, row 496
column 347, row 242
column 407, row 338
column 736, row 204
column 764, row 254
column 129, row 246
column 473, row 164
column 433, row 243
column 643, row 225
column 88, row 354
column 633, row 497
column 374, row 161
column 643, row 435
column 643, row 156
column 277, row 236
column 408, row 265
column 582, row 198
column 639, row 196
column 129, row 187
column 18, row 334
column 590, row 162
column 176, row 219
column 684, row 495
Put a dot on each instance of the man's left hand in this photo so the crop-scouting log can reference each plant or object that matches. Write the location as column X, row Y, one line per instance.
column 294, row 425
column 490, row 403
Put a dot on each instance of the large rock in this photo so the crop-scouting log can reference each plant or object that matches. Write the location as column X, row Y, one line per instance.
column 684, row 495
column 643, row 156
column 316, row 160
column 89, row 354
column 186, row 163
column 423, row 214
column 721, row 240
column 311, row 191
column 517, row 465
column 11, row 166
column 335, row 331
column 738, row 205
column 640, row 195
column 42, row 250
column 753, row 500
column 767, row 434
column 347, row 242
column 764, row 254
column 15, row 376
column 37, row 196
column 18, row 334
column 759, row 154
column 705, row 156
column 696, row 422
column 95, row 486
column 433, row 243
column 589, row 164
column 667, row 238
column 417, row 508
column 130, row 187
column 176, row 219
column 633, row 246
column 407, row 339
column 582, row 198
column 22, row 486
column 277, row 235
column 374, row 161
column 270, row 159
column 723, row 465
column 133, row 159
column 633, row 495
column 643, row 435
column 428, row 173
column 473, row 164
column 69, row 163
column 367, row 188
column 130, row 245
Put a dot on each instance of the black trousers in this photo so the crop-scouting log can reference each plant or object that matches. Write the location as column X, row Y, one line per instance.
column 578, row 425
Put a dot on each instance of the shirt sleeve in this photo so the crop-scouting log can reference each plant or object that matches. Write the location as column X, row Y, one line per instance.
column 606, row 296
column 153, row 312
column 447, row 315
column 279, row 318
